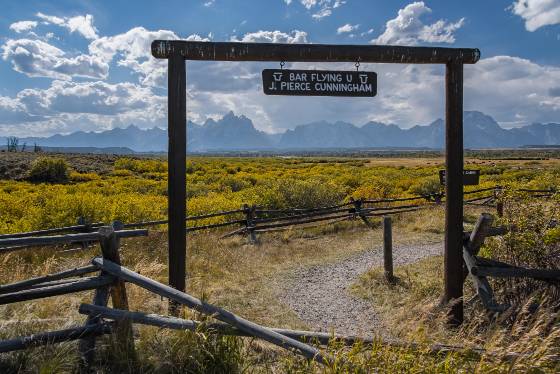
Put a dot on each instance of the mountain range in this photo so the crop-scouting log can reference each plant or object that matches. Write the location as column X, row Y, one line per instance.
column 236, row 133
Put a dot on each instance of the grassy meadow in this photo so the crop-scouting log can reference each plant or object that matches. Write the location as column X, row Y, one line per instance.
column 135, row 189
column 243, row 278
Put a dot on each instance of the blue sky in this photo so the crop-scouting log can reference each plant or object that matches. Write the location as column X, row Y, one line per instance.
column 83, row 65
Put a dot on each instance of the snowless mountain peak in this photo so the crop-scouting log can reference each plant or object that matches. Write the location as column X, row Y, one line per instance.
column 236, row 132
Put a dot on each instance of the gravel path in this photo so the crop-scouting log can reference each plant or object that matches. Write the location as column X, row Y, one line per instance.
column 320, row 294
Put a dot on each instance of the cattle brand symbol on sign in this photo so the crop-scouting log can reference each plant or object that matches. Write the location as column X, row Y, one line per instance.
column 319, row 83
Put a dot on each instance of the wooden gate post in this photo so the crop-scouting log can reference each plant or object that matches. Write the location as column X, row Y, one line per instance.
column 453, row 259
column 388, row 249
column 177, row 178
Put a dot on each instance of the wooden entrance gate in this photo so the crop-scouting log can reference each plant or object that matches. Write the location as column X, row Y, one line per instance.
column 178, row 51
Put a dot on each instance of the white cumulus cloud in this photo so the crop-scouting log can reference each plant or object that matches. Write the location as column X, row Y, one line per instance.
column 12, row 111
column 537, row 13
column 322, row 13
column 22, row 26
column 80, row 24
column 347, row 28
column 70, row 106
column 36, row 58
column 296, row 36
column 408, row 28
column 505, row 86
column 320, row 8
column 132, row 50
column 89, row 97
column 197, row 38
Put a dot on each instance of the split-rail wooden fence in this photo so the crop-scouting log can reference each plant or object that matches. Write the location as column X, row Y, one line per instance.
column 252, row 220
column 111, row 278
column 110, row 283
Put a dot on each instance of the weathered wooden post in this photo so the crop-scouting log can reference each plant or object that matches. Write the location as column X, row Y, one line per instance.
column 388, row 249
column 87, row 228
column 470, row 250
column 110, row 250
column 249, row 222
column 500, row 208
column 358, row 211
column 453, row 259
column 177, row 177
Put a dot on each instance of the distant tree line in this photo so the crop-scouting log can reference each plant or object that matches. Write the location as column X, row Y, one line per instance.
column 13, row 145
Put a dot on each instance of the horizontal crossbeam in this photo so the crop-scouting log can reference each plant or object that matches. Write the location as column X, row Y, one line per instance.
column 236, row 51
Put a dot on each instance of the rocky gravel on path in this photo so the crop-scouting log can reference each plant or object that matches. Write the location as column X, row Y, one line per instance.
column 320, row 294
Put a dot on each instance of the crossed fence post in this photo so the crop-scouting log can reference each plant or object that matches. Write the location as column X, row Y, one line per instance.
column 358, row 211
column 83, row 221
column 250, row 222
column 123, row 329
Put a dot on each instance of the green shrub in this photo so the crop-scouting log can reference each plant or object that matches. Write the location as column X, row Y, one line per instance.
column 293, row 193
column 49, row 170
column 83, row 177
column 141, row 166
column 426, row 186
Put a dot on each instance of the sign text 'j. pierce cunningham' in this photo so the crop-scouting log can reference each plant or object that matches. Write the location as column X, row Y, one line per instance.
column 319, row 83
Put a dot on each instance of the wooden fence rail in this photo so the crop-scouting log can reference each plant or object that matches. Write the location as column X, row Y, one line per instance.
column 257, row 219
column 480, row 268
column 50, row 231
column 8, row 245
column 64, row 282
column 52, row 337
column 17, row 286
column 301, row 335
column 216, row 327
column 91, row 283
column 110, row 283
column 223, row 315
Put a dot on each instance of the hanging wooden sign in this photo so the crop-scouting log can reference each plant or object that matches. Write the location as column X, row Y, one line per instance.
column 470, row 177
column 319, row 83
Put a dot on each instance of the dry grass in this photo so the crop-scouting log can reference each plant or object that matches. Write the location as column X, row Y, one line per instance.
column 241, row 277
column 531, row 325
column 231, row 273
column 412, row 312
column 469, row 161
